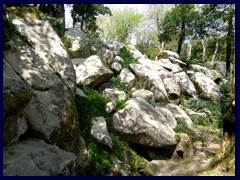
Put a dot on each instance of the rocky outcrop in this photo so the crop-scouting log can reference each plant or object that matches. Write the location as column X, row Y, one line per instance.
column 140, row 123
column 111, row 106
column 179, row 113
column 207, row 88
column 145, row 94
column 202, row 69
column 93, row 72
column 99, row 131
column 49, row 72
column 127, row 77
column 36, row 158
column 136, row 54
column 16, row 96
column 186, row 85
column 170, row 119
column 172, row 86
column 152, row 81
column 166, row 54
column 116, row 67
column 114, row 94
column 76, row 36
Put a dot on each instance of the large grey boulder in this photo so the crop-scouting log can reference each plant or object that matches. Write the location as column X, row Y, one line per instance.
column 77, row 37
column 152, row 80
column 202, row 69
column 179, row 113
column 220, row 66
column 206, row 87
column 49, row 47
column 170, row 119
column 166, row 63
column 93, row 72
column 99, row 131
column 145, row 94
column 16, row 96
column 172, row 86
column 140, row 123
column 177, row 61
column 48, row 70
column 116, row 67
column 127, row 77
column 36, row 158
column 186, row 85
column 114, row 94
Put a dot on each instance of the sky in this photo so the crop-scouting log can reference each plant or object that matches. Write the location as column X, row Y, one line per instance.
column 138, row 7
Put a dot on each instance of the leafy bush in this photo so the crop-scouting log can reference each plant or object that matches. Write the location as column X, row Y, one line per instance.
column 121, row 104
column 127, row 57
column 225, row 88
column 118, row 84
column 181, row 126
column 66, row 42
column 57, row 25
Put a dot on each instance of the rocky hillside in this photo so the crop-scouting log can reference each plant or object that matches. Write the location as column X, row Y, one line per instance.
column 115, row 112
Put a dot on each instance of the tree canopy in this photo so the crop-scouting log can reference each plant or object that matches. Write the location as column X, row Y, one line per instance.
column 86, row 14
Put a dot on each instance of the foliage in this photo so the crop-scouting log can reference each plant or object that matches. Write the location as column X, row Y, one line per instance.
column 121, row 104
column 215, row 118
column 53, row 10
column 225, row 87
column 66, row 42
column 127, row 57
column 181, row 126
column 118, row 84
column 179, row 21
column 86, row 14
column 57, row 24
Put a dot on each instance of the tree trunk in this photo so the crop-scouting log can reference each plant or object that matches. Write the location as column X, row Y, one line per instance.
column 162, row 46
column 229, row 40
column 189, row 50
column 204, row 49
column 181, row 38
column 223, row 162
column 215, row 52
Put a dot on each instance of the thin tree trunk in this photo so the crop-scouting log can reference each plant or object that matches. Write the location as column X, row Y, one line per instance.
column 215, row 52
column 204, row 49
column 229, row 40
column 189, row 50
column 162, row 46
column 181, row 38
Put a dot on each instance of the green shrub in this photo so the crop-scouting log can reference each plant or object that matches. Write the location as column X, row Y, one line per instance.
column 181, row 126
column 118, row 84
column 127, row 57
column 57, row 25
column 66, row 42
column 225, row 88
column 121, row 104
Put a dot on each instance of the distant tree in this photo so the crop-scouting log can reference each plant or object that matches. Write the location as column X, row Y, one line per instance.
column 86, row 14
column 179, row 21
column 124, row 22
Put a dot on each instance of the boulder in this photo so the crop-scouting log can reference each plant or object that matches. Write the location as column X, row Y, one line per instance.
column 127, row 77
column 177, row 61
column 16, row 96
column 106, row 55
column 93, row 72
column 217, row 76
column 172, row 86
column 152, row 80
column 179, row 113
column 36, row 158
column 21, row 127
column 184, row 148
column 99, row 131
column 111, row 106
column 118, row 59
column 140, row 123
column 170, row 119
column 169, row 66
column 202, row 69
column 186, row 85
column 136, row 54
column 76, row 36
column 145, row 94
column 220, row 66
column 48, row 70
column 167, row 54
column 206, row 87
column 114, row 94
column 116, row 67
column 49, row 47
